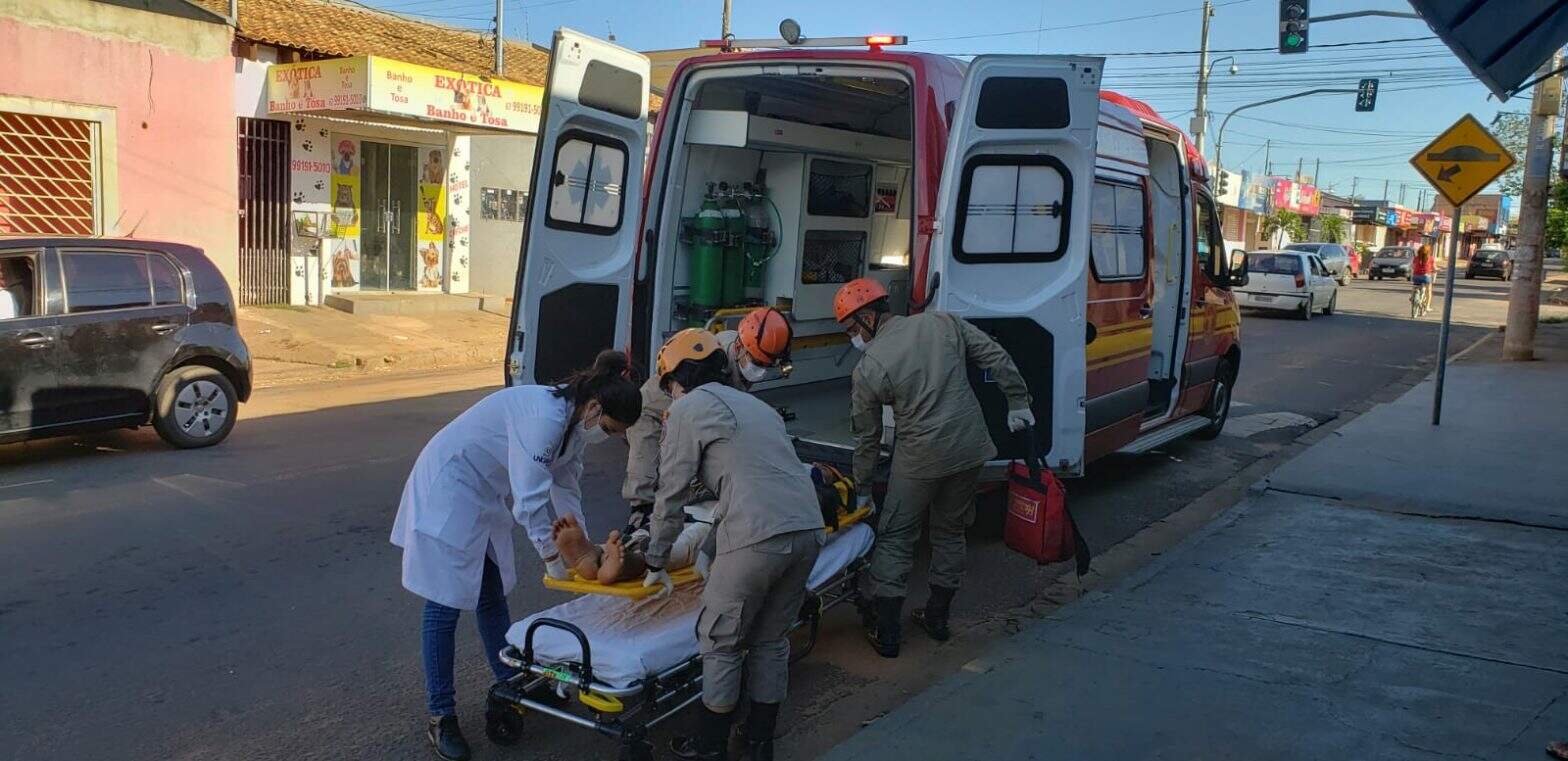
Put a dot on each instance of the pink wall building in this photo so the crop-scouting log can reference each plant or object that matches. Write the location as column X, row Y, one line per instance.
column 116, row 121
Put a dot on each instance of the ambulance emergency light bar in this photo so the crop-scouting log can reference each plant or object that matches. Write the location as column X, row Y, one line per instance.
column 790, row 37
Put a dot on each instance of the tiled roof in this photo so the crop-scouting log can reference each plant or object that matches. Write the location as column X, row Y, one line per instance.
column 341, row 28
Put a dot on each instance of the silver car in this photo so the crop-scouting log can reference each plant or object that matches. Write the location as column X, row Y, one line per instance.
column 1335, row 256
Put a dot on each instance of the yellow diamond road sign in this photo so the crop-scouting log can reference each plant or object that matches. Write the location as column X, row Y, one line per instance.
column 1462, row 160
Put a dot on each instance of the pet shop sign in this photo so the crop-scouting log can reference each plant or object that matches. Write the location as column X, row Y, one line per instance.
column 386, row 86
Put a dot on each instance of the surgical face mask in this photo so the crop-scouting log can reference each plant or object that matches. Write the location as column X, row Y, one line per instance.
column 594, row 434
column 752, row 373
column 858, row 342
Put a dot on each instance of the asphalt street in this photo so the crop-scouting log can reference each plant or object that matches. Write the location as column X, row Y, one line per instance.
column 243, row 601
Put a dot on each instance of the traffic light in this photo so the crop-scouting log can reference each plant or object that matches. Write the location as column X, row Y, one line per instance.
column 1224, row 185
column 1293, row 19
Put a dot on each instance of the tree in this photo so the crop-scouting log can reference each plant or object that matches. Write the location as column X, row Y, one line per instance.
column 1513, row 131
column 1332, row 226
column 1283, row 221
column 1557, row 216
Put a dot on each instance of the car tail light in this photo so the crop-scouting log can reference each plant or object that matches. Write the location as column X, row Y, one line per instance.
column 1301, row 280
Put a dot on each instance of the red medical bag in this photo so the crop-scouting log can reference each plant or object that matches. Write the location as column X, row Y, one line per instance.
column 1038, row 524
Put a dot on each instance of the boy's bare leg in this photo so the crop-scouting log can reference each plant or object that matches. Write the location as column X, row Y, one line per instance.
column 577, row 552
column 618, row 564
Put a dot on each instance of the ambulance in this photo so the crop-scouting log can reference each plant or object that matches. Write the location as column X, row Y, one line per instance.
column 1074, row 225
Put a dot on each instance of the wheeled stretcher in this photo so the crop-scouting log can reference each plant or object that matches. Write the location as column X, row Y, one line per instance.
column 622, row 666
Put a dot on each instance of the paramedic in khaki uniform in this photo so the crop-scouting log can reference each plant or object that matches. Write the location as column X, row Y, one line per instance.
column 918, row 365
column 759, row 344
column 767, row 533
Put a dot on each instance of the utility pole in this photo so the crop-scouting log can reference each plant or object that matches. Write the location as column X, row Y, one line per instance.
column 724, row 31
column 1385, row 191
column 1200, row 116
column 1297, row 178
column 1317, row 166
column 1524, row 297
column 1268, row 169
column 500, row 39
column 1353, row 181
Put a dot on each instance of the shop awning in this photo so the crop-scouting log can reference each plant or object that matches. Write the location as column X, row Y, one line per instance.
column 1502, row 41
column 403, row 93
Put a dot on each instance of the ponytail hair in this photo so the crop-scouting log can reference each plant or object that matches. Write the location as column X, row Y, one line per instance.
column 607, row 382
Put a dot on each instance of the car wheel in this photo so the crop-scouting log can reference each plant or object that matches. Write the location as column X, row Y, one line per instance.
column 1218, row 408
column 195, row 407
column 1469, row 275
column 1333, row 301
column 1306, row 309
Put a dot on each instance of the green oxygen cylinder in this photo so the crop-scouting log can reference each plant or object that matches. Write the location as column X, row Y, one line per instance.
column 734, row 261
column 707, row 254
column 760, row 240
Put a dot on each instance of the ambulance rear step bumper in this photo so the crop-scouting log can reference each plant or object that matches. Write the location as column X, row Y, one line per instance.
column 1165, row 434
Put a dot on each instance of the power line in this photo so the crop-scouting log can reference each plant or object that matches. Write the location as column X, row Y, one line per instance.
column 1085, row 25
column 1157, row 53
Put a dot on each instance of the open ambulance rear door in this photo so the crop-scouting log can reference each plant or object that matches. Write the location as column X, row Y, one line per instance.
column 1012, row 247
column 573, row 292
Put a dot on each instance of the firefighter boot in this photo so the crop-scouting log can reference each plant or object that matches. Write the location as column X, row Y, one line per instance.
column 760, row 725
column 882, row 628
column 711, row 743
column 933, row 618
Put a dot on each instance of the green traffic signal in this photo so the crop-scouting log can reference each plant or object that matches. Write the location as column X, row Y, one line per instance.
column 1292, row 39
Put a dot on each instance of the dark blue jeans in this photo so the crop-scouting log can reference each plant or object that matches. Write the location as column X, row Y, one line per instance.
column 439, row 632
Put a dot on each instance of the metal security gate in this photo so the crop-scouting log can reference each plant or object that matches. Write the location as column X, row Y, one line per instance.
column 264, row 211
column 48, row 175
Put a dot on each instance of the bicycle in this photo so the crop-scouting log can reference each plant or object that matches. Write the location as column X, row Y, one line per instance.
column 1420, row 300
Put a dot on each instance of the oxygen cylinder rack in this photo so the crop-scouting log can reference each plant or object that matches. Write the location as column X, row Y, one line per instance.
column 730, row 240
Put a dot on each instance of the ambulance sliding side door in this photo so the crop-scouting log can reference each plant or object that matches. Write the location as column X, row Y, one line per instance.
column 573, row 292
column 1012, row 245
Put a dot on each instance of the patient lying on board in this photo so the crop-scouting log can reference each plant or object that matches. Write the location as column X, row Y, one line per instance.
column 621, row 558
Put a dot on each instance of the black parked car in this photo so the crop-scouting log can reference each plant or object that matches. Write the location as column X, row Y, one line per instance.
column 101, row 333
column 1491, row 262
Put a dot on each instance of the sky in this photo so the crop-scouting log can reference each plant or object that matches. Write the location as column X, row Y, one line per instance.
column 1424, row 88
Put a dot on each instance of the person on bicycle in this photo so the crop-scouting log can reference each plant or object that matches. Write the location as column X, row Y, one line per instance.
column 1421, row 274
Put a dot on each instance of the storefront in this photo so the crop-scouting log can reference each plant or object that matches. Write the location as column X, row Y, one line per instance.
column 380, row 170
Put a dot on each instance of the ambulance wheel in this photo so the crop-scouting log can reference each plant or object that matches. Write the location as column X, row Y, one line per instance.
column 1218, row 408
column 636, row 750
column 503, row 723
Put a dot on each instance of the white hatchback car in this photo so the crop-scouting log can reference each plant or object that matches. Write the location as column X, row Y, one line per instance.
column 1290, row 281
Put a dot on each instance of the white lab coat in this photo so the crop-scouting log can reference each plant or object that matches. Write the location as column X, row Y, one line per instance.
column 454, row 507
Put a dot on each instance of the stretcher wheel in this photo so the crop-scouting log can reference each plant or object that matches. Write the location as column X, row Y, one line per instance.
column 503, row 723
column 636, row 750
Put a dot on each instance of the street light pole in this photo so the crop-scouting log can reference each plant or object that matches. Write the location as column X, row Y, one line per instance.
column 1219, row 137
column 1200, row 116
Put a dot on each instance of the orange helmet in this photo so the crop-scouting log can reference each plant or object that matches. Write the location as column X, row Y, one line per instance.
column 765, row 334
column 856, row 295
column 691, row 343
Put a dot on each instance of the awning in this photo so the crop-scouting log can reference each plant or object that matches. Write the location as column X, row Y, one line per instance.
column 403, row 93
column 1502, row 41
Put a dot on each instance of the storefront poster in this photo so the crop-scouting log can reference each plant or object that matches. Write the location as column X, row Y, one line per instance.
column 432, row 195
column 329, row 85
column 345, row 263
column 886, row 198
column 345, row 189
column 1297, row 197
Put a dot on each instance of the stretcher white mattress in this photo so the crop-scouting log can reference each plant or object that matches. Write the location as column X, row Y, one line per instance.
column 633, row 639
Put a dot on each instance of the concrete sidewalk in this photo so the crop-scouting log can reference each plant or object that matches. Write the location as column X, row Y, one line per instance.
column 1395, row 592
column 308, row 344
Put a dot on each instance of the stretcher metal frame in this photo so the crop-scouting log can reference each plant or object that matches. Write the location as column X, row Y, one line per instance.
column 569, row 692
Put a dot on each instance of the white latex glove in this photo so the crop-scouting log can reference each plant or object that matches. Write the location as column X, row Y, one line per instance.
column 704, row 564
column 862, row 501
column 660, row 578
column 556, row 568
column 1019, row 419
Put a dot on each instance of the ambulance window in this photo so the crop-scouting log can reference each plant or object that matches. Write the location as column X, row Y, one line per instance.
column 613, row 89
column 1022, row 103
column 1013, row 209
column 586, row 186
column 1207, row 235
column 1116, row 231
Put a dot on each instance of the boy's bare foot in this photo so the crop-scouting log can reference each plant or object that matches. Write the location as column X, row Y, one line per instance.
column 577, row 552
column 618, row 563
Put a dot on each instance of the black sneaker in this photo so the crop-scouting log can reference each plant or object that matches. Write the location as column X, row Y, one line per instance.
column 447, row 739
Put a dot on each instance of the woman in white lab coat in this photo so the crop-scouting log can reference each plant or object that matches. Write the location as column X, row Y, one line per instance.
column 521, row 445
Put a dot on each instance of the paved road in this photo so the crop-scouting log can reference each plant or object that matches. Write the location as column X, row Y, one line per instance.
column 242, row 601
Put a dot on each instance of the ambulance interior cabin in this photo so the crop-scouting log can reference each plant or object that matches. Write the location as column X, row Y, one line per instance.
column 786, row 182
